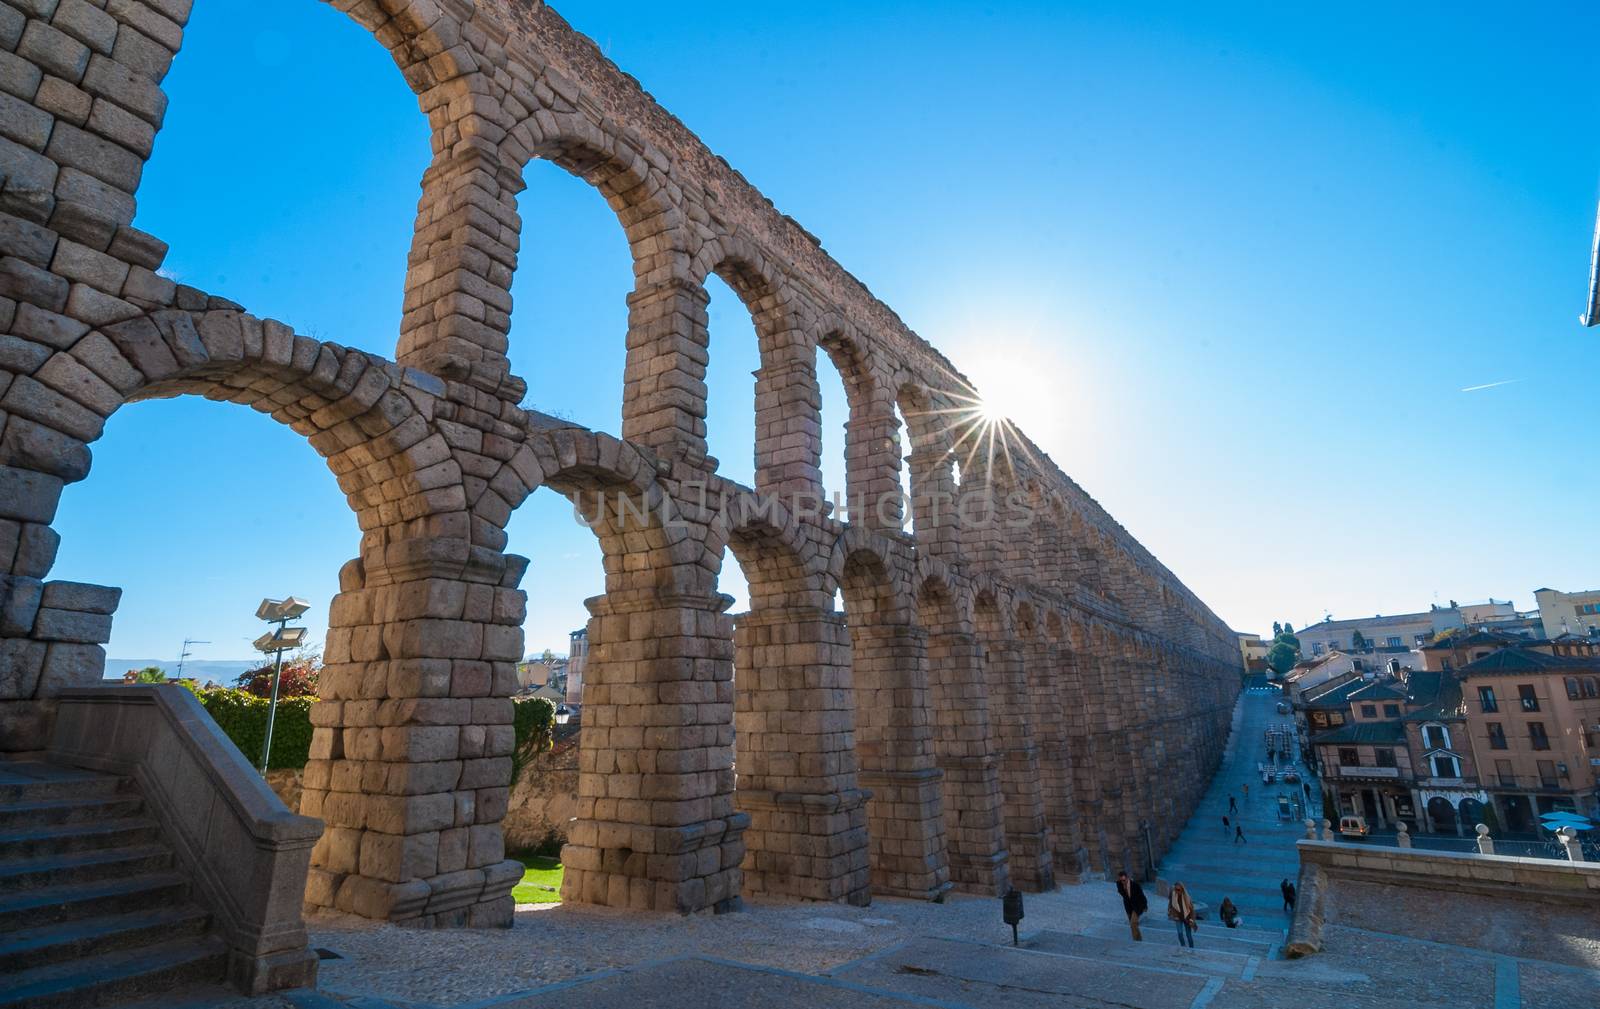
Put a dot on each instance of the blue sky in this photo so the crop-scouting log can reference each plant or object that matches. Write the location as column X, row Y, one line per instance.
column 1231, row 267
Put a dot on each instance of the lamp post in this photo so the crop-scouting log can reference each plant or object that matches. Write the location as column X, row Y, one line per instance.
column 284, row 638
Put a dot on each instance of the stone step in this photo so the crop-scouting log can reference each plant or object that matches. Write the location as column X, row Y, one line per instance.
column 38, row 782
column 116, row 976
column 1258, row 942
column 45, row 905
column 60, row 838
column 82, row 867
column 73, row 810
column 47, row 944
column 1212, row 954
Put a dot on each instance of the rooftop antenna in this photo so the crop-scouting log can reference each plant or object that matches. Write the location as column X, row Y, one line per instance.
column 184, row 655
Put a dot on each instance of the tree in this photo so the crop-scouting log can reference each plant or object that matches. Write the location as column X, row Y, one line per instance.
column 299, row 678
column 1277, row 629
column 1282, row 656
column 548, row 658
column 1357, row 640
column 149, row 674
column 1286, row 628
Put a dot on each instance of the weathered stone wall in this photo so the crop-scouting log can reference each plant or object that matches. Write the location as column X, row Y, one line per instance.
column 544, row 800
column 995, row 704
column 1536, row 907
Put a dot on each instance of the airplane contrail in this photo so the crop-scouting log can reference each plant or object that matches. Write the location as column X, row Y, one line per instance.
column 1491, row 385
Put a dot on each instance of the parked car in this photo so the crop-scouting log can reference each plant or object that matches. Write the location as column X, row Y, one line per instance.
column 1283, row 709
column 1352, row 826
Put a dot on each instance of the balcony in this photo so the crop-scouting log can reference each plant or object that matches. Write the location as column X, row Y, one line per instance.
column 1362, row 771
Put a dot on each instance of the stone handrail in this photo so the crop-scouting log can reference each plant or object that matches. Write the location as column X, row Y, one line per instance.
column 244, row 852
column 1545, row 881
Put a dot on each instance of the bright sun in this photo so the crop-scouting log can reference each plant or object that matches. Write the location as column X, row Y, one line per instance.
column 991, row 412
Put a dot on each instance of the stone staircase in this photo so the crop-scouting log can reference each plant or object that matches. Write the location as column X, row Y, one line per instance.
column 92, row 908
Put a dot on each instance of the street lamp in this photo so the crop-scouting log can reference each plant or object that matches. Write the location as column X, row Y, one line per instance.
column 563, row 714
column 284, row 638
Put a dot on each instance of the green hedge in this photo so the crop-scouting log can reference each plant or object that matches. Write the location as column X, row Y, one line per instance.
column 244, row 718
column 534, row 719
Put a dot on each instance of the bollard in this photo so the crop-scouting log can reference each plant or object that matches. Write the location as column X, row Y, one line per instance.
column 1011, row 911
column 1402, row 836
column 1569, row 840
column 1311, row 829
column 1485, row 842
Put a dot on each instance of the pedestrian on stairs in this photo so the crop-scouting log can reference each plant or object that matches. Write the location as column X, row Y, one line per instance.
column 1229, row 913
column 1246, row 787
column 1238, row 835
column 1224, row 826
column 1134, row 903
column 1288, row 895
column 1181, row 910
column 1233, row 804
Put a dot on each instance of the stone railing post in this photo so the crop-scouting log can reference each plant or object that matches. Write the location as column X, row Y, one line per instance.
column 1402, row 837
column 1311, row 830
column 1485, row 842
column 1327, row 831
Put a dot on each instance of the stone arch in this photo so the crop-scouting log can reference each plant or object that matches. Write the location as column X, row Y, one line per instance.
column 872, row 435
column 788, row 429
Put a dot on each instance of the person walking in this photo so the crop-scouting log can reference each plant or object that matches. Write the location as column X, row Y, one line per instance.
column 1134, row 903
column 1224, row 826
column 1238, row 835
column 1180, row 909
column 1307, row 786
column 1246, row 788
column 1288, row 895
column 1229, row 913
column 1233, row 804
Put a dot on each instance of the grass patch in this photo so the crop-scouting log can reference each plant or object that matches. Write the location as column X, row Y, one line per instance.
column 541, row 880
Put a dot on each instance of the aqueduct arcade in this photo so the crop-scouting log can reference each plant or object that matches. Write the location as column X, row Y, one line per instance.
column 997, row 703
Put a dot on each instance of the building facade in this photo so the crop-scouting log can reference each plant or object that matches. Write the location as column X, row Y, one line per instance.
column 1400, row 632
column 1568, row 612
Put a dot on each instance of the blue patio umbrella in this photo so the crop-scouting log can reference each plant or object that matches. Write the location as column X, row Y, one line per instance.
column 1562, row 818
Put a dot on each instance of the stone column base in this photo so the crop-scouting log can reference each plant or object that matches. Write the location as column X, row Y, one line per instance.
column 906, row 825
column 690, row 868
column 809, row 846
column 1031, row 864
column 974, row 825
column 469, row 898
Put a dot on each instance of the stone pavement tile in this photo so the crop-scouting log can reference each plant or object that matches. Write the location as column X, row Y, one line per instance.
column 707, row 984
column 1557, row 988
column 1260, row 994
column 986, row 976
column 1424, row 973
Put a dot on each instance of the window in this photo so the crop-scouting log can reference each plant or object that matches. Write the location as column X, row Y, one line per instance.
column 1335, row 718
column 1436, row 737
column 1383, row 757
column 1530, row 700
column 1393, row 641
column 1497, row 736
column 1547, row 774
column 1502, row 771
column 1369, row 711
column 1590, row 688
column 1487, row 700
column 1446, row 766
column 1391, row 711
column 1573, row 690
column 1537, row 736
column 1319, row 719
column 1333, row 644
column 1349, row 756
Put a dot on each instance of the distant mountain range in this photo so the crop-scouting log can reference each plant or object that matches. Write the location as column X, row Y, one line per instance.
column 220, row 670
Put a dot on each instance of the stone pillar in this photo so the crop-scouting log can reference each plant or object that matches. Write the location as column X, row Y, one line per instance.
column 796, row 759
column 411, row 749
column 664, row 389
column 933, row 501
column 894, row 744
column 1028, row 837
column 656, row 827
column 788, row 426
column 872, row 466
column 1042, row 663
column 964, row 740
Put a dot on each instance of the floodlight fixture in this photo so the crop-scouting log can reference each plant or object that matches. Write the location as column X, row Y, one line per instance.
column 277, row 610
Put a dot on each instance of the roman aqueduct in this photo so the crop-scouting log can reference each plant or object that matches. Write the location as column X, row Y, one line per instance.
column 994, row 706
